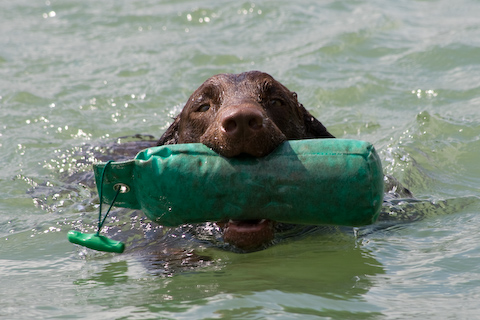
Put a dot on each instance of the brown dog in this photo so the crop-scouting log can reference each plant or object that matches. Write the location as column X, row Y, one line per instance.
column 247, row 114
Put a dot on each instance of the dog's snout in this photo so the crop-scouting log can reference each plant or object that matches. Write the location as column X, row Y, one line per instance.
column 242, row 122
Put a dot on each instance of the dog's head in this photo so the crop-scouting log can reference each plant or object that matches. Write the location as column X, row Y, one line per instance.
column 249, row 113
column 243, row 114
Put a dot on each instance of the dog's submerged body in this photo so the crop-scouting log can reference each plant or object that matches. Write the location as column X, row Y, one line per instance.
column 238, row 115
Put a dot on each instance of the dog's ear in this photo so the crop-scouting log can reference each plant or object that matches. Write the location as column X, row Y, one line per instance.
column 313, row 127
column 171, row 135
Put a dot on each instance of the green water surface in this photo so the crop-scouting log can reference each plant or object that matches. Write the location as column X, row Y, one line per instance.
column 76, row 75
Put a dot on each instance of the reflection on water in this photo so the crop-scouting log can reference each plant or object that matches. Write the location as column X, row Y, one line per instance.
column 334, row 266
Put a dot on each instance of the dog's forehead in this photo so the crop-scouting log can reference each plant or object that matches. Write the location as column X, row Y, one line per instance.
column 247, row 82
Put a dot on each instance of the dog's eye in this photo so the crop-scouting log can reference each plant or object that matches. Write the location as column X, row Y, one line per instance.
column 204, row 107
column 275, row 103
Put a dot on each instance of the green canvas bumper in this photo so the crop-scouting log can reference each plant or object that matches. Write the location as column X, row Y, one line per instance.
column 317, row 181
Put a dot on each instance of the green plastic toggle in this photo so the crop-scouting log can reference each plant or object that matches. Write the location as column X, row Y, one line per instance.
column 317, row 181
column 95, row 241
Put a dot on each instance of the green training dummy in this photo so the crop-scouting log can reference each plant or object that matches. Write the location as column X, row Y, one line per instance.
column 316, row 181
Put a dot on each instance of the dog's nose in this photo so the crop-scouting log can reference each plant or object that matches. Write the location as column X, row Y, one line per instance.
column 242, row 122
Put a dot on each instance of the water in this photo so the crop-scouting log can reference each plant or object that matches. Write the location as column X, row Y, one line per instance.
column 78, row 74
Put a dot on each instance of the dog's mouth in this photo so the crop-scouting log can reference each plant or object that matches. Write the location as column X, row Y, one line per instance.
column 248, row 235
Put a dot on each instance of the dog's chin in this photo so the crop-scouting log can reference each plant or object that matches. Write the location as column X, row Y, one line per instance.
column 248, row 235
